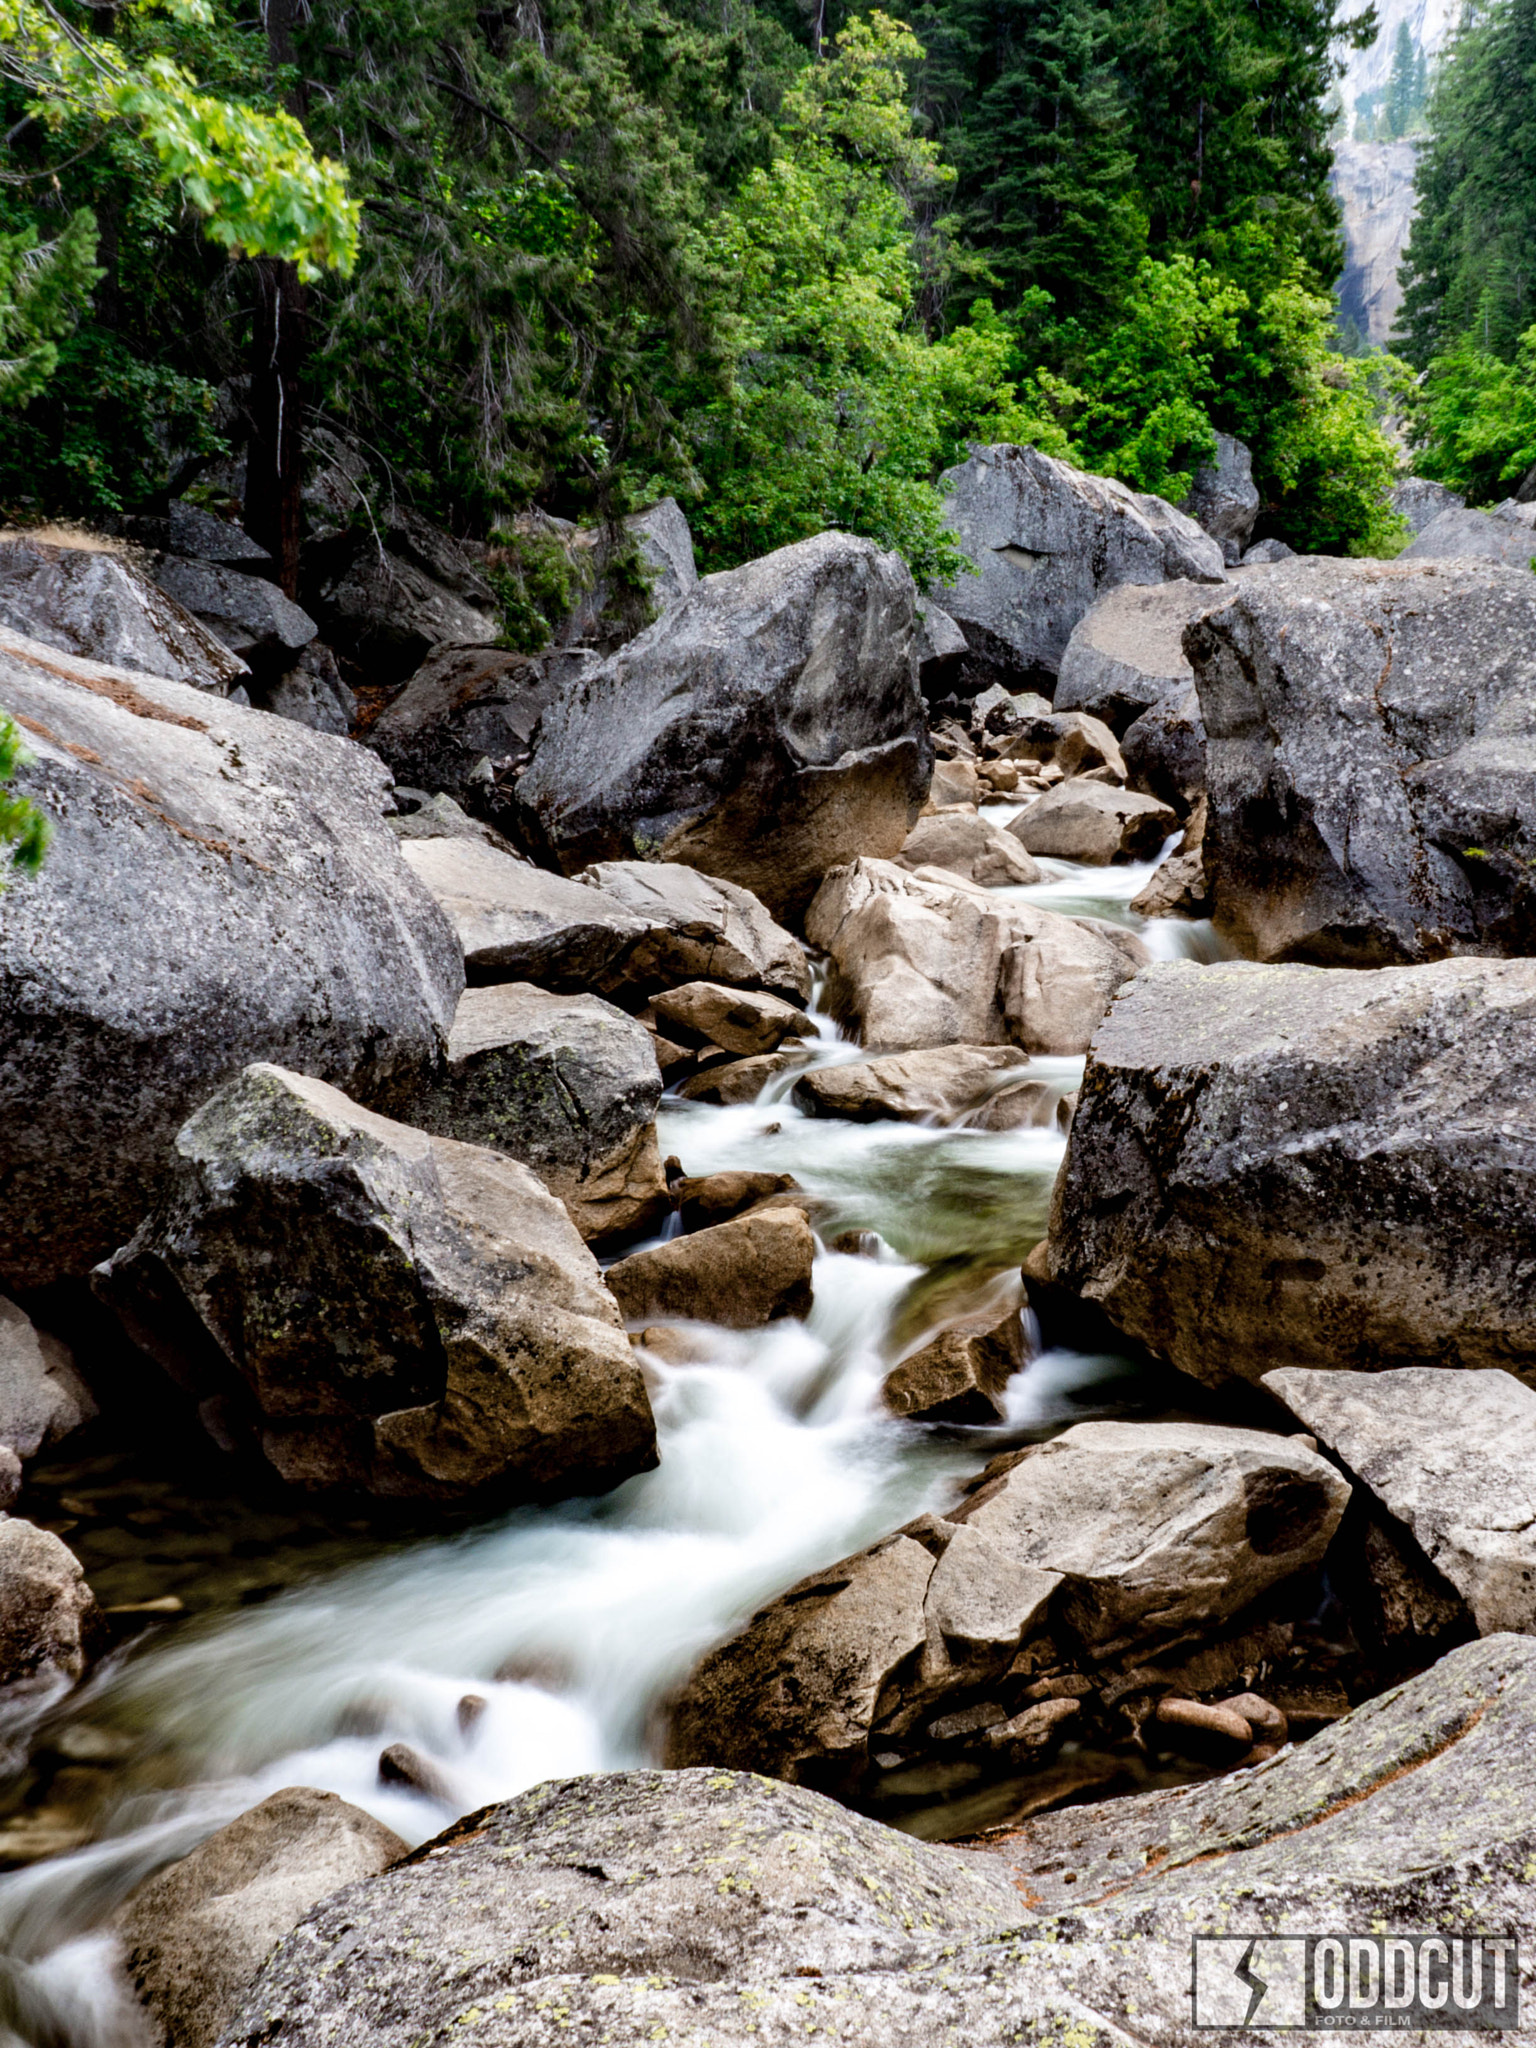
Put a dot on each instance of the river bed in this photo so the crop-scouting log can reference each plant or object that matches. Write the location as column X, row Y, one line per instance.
column 545, row 1643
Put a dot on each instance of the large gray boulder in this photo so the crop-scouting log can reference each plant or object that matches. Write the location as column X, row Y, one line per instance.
column 1292, row 1166
column 380, row 1310
column 1164, row 750
column 701, row 928
column 1460, row 534
column 1224, row 498
column 765, row 729
column 715, row 1906
column 1371, row 759
column 95, row 603
column 251, row 616
column 1418, row 500
column 464, row 722
column 196, row 1933
column 386, row 600
column 922, row 959
column 516, row 922
column 609, row 612
column 1126, row 652
column 184, row 529
column 568, row 1084
column 1459, row 1476
column 310, row 691
column 221, row 887
column 1047, row 541
column 1113, row 1539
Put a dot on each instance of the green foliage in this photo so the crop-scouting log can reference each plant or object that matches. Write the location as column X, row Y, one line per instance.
column 249, row 170
column 1475, row 420
column 830, row 419
column 24, row 831
column 43, row 291
column 1470, row 264
column 537, row 580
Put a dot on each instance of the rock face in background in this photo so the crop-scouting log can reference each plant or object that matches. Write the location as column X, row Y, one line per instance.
column 602, row 619
column 464, row 722
column 1459, row 1476
column 50, row 1626
column 1419, row 500
column 311, row 692
column 1507, row 534
column 922, row 960
column 569, row 1085
column 765, row 729
column 94, row 603
column 184, row 529
column 382, row 1310
column 1288, row 1166
column 1111, row 1539
column 221, row 887
column 42, row 1397
column 197, row 1933
column 1371, row 759
column 1048, row 540
column 1413, row 1810
column 1373, row 183
column 1224, row 498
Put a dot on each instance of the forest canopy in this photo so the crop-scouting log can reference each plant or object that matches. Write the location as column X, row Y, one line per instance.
column 782, row 261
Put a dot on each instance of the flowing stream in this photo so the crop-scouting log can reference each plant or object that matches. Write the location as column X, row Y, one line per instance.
column 546, row 1643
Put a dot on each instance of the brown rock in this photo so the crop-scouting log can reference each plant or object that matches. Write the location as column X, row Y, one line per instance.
column 741, row 1080
column 967, row 845
column 989, row 1083
column 1264, row 1719
column 1036, row 1726
column 1219, row 1724
column 741, row 1274
column 709, row 1198
column 197, row 1933
column 960, row 1375
column 1094, row 823
column 738, row 1021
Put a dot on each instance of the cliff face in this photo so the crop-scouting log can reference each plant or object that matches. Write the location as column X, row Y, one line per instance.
column 1373, row 182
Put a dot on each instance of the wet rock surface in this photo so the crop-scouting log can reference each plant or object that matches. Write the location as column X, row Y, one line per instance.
column 1294, row 1166
column 1092, row 824
column 1108, row 1542
column 991, row 1086
column 221, row 887
column 1048, row 540
column 766, row 728
column 751, row 1270
column 1400, row 1817
column 920, row 960
column 196, row 1934
column 961, row 1375
column 566, row 1083
column 381, row 1311
column 1371, row 759
column 50, row 1626
column 1458, row 1475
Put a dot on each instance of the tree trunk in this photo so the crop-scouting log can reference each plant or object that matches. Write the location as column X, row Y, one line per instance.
column 274, row 466
column 274, row 462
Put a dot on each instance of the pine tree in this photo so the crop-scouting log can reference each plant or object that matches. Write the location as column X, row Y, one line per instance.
column 1470, row 266
column 1401, row 106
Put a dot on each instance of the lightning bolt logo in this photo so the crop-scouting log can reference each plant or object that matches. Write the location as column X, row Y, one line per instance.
column 1244, row 1973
